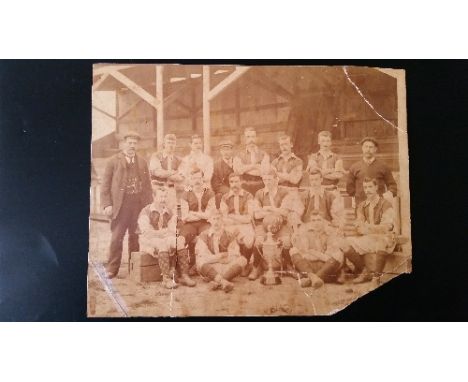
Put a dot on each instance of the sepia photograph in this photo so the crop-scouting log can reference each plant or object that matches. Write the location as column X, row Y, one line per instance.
column 231, row 190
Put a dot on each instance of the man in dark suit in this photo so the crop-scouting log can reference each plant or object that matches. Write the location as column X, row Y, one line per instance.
column 223, row 167
column 125, row 190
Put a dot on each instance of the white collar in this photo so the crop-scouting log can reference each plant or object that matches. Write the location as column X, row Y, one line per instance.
column 165, row 155
column 271, row 193
column 211, row 232
column 255, row 150
column 325, row 154
column 231, row 193
column 291, row 155
column 156, row 208
column 369, row 161
column 372, row 203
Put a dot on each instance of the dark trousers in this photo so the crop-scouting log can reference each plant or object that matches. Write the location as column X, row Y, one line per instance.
column 126, row 220
column 190, row 232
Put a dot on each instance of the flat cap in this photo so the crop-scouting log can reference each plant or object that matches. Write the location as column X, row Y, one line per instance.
column 132, row 134
column 370, row 139
column 226, row 143
column 170, row 137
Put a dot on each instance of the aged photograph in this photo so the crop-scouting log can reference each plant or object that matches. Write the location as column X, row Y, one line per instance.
column 232, row 190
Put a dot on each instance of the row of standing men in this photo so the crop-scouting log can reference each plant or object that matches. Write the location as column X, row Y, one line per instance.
column 249, row 190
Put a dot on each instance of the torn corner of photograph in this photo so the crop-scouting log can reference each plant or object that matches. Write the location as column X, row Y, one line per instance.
column 223, row 190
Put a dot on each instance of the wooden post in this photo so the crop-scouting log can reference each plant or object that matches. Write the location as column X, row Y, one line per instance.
column 117, row 121
column 193, row 106
column 160, row 108
column 237, row 107
column 206, row 110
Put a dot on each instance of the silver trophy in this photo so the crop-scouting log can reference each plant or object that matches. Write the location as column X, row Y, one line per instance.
column 271, row 253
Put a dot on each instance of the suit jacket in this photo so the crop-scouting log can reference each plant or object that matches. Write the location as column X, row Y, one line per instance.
column 220, row 179
column 114, row 182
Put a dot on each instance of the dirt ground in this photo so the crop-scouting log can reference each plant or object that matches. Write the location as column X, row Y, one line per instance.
column 122, row 297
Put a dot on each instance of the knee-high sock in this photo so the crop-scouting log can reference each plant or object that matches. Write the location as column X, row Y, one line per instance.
column 233, row 271
column 258, row 260
column 164, row 261
column 191, row 250
column 380, row 261
column 301, row 264
column 285, row 258
column 208, row 271
column 246, row 252
column 183, row 260
column 356, row 259
column 329, row 271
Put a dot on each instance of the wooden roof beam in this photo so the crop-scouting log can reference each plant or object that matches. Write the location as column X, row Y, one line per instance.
column 137, row 89
column 110, row 68
column 100, row 81
column 266, row 83
column 175, row 94
column 127, row 112
column 104, row 112
column 234, row 76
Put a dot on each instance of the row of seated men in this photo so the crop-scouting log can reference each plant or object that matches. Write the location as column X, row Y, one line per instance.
column 220, row 227
column 222, row 235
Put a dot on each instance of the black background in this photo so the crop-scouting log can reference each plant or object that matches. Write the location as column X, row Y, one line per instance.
column 45, row 135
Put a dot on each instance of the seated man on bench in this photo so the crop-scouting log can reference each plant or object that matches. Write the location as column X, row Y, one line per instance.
column 237, row 208
column 194, row 210
column 272, row 207
column 316, row 198
column 316, row 253
column 374, row 222
column 157, row 224
column 218, row 254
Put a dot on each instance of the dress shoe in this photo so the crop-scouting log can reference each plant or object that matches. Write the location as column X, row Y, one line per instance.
column 110, row 275
column 185, row 279
column 317, row 282
column 246, row 270
column 193, row 271
column 214, row 285
column 305, row 282
column 226, row 286
column 255, row 273
column 364, row 277
column 169, row 283
column 342, row 277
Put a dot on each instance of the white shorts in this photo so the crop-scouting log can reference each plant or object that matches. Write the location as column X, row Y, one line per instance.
column 246, row 233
